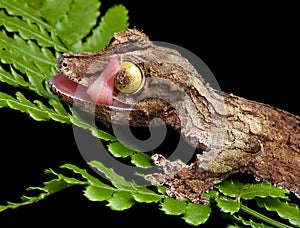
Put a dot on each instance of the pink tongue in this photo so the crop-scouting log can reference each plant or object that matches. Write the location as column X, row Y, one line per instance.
column 101, row 90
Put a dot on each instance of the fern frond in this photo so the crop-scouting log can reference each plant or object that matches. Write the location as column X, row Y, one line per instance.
column 266, row 195
column 51, row 13
column 139, row 159
column 33, row 78
column 29, row 50
column 29, row 30
column 49, row 188
column 79, row 122
column 234, row 188
column 250, row 223
column 13, row 78
column 78, row 22
column 37, row 110
column 13, row 7
column 120, row 195
column 283, row 209
column 115, row 19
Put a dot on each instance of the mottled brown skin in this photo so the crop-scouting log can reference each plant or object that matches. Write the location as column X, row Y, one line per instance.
column 278, row 163
column 236, row 134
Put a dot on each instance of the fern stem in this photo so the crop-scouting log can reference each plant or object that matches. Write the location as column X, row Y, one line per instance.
column 263, row 217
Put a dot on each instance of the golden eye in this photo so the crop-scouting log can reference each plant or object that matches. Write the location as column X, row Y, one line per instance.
column 129, row 78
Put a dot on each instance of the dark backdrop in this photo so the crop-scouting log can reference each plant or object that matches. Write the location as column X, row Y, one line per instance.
column 250, row 48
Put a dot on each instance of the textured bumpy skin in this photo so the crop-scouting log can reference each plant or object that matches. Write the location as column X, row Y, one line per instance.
column 235, row 134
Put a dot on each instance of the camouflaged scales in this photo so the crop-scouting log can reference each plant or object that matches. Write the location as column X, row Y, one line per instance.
column 232, row 134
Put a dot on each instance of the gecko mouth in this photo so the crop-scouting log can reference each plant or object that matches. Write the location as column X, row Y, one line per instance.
column 100, row 91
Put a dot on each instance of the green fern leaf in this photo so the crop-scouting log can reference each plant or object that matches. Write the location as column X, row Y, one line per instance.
column 33, row 75
column 24, row 105
column 196, row 214
column 228, row 205
column 263, row 190
column 136, row 191
column 58, row 107
column 120, row 201
column 115, row 19
column 118, row 150
column 78, row 22
column 36, row 4
column 250, row 223
column 140, row 159
column 79, row 122
column 115, row 179
column 173, row 207
column 51, row 12
column 283, row 209
column 234, row 188
column 128, row 192
column 36, row 110
column 28, row 31
column 260, row 191
column 89, row 178
column 143, row 197
column 35, row 60
column 94, row 193
column 231, row 188
column 55, row 185
column 13, row 7
column 12, row 78
column 120, row 196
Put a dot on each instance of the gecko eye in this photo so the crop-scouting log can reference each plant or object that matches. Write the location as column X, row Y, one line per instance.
column 129, row 78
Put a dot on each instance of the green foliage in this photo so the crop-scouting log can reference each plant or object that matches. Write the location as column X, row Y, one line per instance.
column 196, row 214
column 33, row 34
column 67, row 27
column 116, row 17
column 30, row 47
column 50, row 187
column 283, row 209
column 173, row 207
column 120, row 195
column 228, row 205
column 232, row 197
column 36, row 109
column 234, row 188
column 249, row 223
column 137, row 158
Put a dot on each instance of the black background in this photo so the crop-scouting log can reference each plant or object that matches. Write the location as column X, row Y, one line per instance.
column 251, row 49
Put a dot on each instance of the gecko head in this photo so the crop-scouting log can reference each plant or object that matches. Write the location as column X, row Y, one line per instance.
column 131, row 74
column 136, row 82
